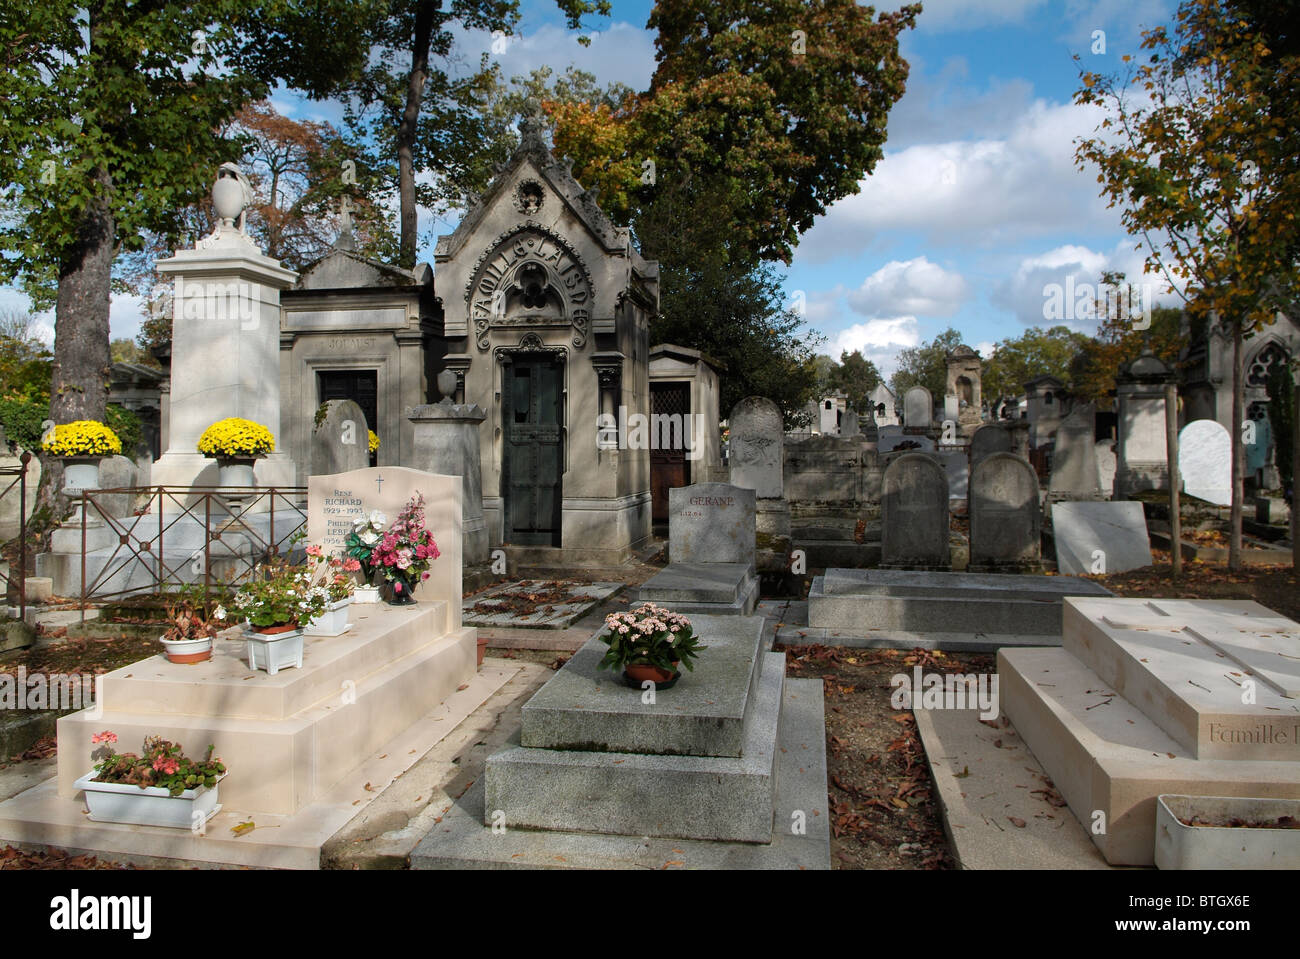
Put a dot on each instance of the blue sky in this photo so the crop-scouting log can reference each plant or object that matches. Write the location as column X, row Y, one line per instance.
column 977, row 204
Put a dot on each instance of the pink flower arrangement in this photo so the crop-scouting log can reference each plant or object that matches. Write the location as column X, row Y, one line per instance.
column 407, row 547
column 107, row 736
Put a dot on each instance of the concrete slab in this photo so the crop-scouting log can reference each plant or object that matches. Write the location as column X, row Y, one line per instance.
column 1108, row 759
column 1100, row 537
column 717, row 588
column 39, row 816
column 1152, row 653
column 995, row 798
column 587, row 708
column 690, row 797
column 490, row 608
column 462, row 841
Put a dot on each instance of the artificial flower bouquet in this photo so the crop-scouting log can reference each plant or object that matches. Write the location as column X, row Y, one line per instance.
column 406, row 548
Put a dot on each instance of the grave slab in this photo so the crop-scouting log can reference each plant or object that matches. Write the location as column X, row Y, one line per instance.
column 461, row 841
column 586, row 708
column 509, row 605
column 635, row 794
column 702, row 587
column 1116, row 530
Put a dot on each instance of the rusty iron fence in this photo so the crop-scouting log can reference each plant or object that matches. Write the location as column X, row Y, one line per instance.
column 17, row 579
column 223, row 533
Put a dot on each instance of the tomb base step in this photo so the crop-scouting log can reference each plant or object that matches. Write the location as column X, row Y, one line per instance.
column 799, row 837
column 709, row 588
column 688, row 797
column 285, row 764
column 857, row 638
column 1108, row 760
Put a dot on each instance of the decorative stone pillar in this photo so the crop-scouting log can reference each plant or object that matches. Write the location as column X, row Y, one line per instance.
column 225, row 357
column 447, row 442
column 1142, row 459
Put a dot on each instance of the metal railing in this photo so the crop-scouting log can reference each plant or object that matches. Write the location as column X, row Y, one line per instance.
column 18, row 580
column 241, row 527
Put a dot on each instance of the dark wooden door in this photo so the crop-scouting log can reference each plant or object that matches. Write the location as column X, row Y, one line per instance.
column 534, row 457
column 668, row 467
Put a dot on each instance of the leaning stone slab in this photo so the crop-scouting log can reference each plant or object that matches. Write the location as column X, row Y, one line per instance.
column 1100, row 537
column 583, row 707
column 632, row 794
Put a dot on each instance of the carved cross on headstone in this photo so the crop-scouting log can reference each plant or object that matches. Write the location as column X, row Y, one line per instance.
column 379, row 483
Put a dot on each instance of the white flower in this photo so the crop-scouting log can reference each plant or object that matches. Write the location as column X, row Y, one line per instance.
column 377, row 518
column 219, row 612
column 369, row 537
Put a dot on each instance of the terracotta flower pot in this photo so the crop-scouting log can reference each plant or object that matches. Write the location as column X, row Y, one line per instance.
column 654, row 674
column 188, row 650
column 272, row 630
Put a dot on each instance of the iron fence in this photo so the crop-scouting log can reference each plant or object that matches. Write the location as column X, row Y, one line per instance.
column 18, row 580
column 182, row 535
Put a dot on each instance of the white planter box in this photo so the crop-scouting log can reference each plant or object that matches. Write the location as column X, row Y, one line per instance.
column 1180, row 846
column 274, row 652
column 332, row 622
column 152, row 806
column 366, row 594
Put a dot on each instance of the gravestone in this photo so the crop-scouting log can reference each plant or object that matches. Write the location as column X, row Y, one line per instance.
column 340, row 439
column 335, row 502
column 711, row 523
column 1004, row 514
column 117, row 472
column 850, row 425
column 1205, row 461
column 987, row 440
column 951, row 407
column 1074, row 462
column 1107, row 463
column 446, row 441
column 914, row 513
column 918, row 409
column 1100, row 538
column 757, row 431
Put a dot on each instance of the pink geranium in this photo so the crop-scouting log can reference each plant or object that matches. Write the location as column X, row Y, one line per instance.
column 105, row 737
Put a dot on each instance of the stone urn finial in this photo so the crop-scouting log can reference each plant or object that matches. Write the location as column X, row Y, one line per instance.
column 231, row 196
column 447, row 383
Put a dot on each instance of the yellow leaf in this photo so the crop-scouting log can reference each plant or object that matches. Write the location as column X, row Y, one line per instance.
column 243, row 828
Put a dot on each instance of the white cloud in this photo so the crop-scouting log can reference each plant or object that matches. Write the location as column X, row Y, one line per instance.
column 916, row 287
column 621, row 52
column 1066, row 277
column 878, row 340
column 983, row 192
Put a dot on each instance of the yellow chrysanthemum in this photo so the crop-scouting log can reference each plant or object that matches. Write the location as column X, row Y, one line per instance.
column 374, row 441
column 236, row 438
column 82, row 438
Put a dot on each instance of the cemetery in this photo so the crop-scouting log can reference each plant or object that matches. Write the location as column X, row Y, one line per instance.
column 522, row 558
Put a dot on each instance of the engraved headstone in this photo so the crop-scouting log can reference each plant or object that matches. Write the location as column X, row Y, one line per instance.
column 711, row 523
column 918, row 408
column 756, row 447
column 340, row 439
column 989, row 439
column 1074, row 460
column 1004, row 513
column 915, row 513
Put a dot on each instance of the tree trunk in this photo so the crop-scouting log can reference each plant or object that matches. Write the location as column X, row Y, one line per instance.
column 407, row 128
column 1238, row 447
column 79, row 382
column 1175, row 480
column 1295, row 472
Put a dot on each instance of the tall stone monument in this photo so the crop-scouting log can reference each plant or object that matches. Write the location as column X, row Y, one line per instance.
column 225, row 341
column 1142, row 458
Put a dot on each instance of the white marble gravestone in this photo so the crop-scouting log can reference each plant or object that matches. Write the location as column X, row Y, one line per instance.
column 1205, row 461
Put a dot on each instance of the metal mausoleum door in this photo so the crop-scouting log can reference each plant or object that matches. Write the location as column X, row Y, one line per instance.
column 668, row 468
column 533, row 452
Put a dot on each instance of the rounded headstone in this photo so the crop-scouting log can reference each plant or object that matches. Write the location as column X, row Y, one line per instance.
column 914, row 512
column 757, row 447
column 1205, row 461
column 1004, row 512
column 340, row 441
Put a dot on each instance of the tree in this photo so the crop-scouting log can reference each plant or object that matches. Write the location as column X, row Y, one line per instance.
column 409, row 107
column 1196, row 161
column 857, row 377
column 1035, row 352
column 113, row 116
column 24, row 358
column 776, row 109
column 925, row 365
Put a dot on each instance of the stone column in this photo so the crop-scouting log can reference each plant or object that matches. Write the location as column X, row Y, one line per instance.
column 225, row 342
column 447, row 442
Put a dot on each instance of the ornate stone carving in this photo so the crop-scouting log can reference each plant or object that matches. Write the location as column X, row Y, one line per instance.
column 529, row 196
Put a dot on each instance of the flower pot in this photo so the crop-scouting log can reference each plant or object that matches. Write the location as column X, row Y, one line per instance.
column 235, row 472
column 80, row 473
column 635, row 675
column 482, row 648
column 332, row 622
column 151, row 806
column 273, row 648
column 188, row 650
column 401, row 595
column 366, row 594
column 1180, row 846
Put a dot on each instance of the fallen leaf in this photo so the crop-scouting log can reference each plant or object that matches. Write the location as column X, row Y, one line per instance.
column 462, row 686
column 243, row 828
column 369, row 788
column 1016, row 821
column 965, row 771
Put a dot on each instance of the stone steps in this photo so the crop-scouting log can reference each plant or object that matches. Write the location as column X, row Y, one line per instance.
column 1105, row 756
column 636, row 794
column 726, row 588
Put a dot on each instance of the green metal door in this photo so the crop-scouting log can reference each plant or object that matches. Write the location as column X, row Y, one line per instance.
column 533, row 452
